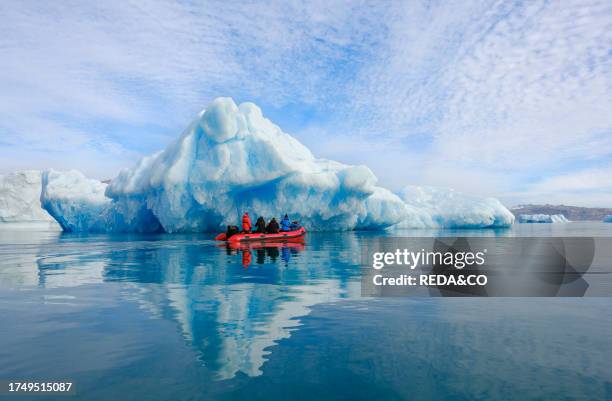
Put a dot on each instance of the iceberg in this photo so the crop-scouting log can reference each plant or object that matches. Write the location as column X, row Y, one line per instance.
column 608, row 218
column 232, row 159
column 542, row 218
column 229, row 160
column 20, row 200
column 75, row 201
column 446, row 208
column 79, row 204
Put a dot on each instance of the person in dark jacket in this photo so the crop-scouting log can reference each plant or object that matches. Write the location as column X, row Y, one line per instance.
column 231, row 230
column 285, row 224
column 260, row 225
column 272, row 226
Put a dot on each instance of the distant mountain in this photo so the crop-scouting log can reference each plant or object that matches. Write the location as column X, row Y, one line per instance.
column 571, row 212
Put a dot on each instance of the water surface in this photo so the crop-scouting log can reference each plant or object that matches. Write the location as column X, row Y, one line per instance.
column 180, row 317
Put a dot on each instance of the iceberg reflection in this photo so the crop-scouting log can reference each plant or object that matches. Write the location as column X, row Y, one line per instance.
column 231, row 303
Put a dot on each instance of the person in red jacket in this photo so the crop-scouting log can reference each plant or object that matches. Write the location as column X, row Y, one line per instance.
column 246, row 223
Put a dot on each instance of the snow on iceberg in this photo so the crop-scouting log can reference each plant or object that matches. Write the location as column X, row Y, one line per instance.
column 441, row 207
column 20, row 200
column 229, row 160
column 542, row 218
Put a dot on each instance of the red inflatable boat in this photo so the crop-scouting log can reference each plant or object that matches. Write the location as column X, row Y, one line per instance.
column 293, row 243
column 281, row 236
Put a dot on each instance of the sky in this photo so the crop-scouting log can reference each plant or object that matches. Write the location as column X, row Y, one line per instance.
column 493, row 98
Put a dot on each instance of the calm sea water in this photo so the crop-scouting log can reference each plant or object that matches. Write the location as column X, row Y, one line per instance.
column 180, row 317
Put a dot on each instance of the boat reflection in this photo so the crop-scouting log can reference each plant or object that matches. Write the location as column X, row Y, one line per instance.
column 265, row 250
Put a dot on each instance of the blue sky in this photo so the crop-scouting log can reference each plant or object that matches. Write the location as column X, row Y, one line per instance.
column 512, row 100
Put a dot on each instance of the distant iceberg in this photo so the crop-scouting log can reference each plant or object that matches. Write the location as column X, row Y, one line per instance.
column 608, row 219
column 231, row 159
column 542, row 218
column 20, row 201
column 441, row 207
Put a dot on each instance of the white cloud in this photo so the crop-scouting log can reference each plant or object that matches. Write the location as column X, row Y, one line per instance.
column 507, row 92
column 68, row 64
column 584, row 180
column 584, row 187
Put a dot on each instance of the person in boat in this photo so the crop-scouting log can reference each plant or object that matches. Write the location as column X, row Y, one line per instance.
column 231, row 230
column 272, row 227
column 285, row 224
column 260, row 225
column 246, row 223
